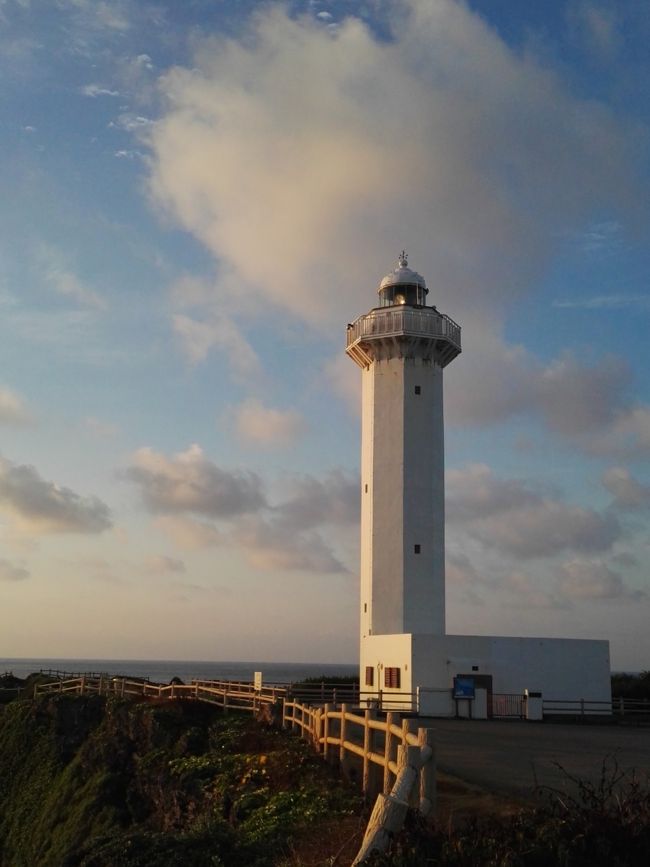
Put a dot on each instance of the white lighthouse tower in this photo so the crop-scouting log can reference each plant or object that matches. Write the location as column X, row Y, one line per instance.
column 402, row 347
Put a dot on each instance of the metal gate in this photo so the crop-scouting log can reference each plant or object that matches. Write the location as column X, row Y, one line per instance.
column 508, row 705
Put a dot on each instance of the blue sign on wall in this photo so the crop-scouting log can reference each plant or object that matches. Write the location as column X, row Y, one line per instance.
column 463, row 687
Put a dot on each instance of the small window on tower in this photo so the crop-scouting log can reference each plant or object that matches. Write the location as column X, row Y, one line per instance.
column 416, row 548
column 418, row 389
column 370, row 673
column 365, row 607
column 366, row 489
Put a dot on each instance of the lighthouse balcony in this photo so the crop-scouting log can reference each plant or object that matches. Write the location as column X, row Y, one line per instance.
column 404, row 330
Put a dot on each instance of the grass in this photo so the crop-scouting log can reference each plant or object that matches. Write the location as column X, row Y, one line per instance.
column 97, row 782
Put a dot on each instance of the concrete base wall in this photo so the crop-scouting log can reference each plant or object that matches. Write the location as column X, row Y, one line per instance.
column 560, row 668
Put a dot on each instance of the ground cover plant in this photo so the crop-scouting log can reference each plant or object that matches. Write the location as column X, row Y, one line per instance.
column 100, row 782
column 603, row 824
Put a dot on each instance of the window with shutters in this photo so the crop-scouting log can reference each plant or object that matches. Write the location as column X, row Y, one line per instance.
column 370, row 675
column 392, row 678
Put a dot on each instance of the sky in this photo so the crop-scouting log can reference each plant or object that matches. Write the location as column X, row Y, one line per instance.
column 196, row 198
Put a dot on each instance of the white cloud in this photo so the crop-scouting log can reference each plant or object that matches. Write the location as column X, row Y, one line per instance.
column 10, row 572
column 188, row 533
column 101, row 14
column 589, row 405
column 65, row 281
column 296, row 534
column 312, row 502
column 95, row 90
column 161, row 564
column 12, row 408
column 37, row 506
column 597, row 26
column 130, row 122
column 607, row 302
column 627, row 437
column 518, row 521
column 199, row 337
column 189, row 482
column 344, row 379
column 271, row 545
column 592, row 579
column 267, row 426
column 478, row 153
column 627, row 491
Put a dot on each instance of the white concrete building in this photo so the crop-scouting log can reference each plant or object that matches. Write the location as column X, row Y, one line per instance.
column 402, row 347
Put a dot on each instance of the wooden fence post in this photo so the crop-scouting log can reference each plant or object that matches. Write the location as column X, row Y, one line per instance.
column 391, row 719
column 82, row 686
column 326, row 732
column 369, row 780
column 284, row 713
column 342, row 733
column 427, row 773
column 294, row 720
column 409, row 727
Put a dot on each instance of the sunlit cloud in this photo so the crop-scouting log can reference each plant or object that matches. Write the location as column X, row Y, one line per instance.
column 36, row 506
column 189, row 482
column 10, row 572
column 13, row 409
column 268, row 426
column 512, row 518
column 65, row 282
column 95, row 90
column 506, row 157
column 628, row 492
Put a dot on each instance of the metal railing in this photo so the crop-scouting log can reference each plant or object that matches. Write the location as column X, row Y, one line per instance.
column 508, row 705
column 618, row 707
column 426, row 322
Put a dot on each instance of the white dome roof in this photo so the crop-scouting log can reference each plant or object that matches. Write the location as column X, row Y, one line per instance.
column 402, row 274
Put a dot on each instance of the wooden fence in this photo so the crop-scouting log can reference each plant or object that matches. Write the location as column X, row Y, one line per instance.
column 229, row 695
column 363, row 744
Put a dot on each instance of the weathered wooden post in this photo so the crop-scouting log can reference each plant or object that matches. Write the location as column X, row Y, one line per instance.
column 389, row 812
column 409, row 727
column 82, row 685
column 391, row 719
column 427, row 772
column 317, row 726
column 284, row 713
column 369, row 780
column 327, row 753
column 294, row 721
column 344, row 761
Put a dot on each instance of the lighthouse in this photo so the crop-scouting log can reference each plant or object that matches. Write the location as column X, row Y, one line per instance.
column 402, row 346
column 407, row 659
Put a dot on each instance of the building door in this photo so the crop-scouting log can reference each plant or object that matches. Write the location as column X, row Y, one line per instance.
column 482, row 681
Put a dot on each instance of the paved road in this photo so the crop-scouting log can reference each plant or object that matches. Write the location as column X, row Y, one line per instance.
column 514, row 757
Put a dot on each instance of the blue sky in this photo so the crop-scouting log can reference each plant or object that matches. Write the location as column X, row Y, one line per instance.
column 196, row 197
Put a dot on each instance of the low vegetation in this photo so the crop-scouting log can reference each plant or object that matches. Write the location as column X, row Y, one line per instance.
column 100, row 783
column 90, row 781
column 604, row 824
column 635, row 686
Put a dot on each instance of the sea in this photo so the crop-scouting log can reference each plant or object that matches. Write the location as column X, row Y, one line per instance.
column 163, row 670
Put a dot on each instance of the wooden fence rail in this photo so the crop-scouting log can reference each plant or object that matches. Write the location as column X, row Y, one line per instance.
column 347, row 737
column 227, row 694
